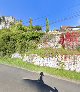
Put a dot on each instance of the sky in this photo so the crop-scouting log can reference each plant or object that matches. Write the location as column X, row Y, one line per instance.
column 58, row 12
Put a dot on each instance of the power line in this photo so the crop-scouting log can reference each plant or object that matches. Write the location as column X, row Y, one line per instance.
column 60, row 20
column 77, row 5
column 39, row 18
column 64, row 19
column 75, row 14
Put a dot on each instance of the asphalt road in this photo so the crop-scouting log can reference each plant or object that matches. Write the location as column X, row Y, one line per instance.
column 18, row 80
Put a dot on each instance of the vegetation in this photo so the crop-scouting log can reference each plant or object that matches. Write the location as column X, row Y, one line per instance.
column 52, row 71
column 46, row 52
column 26, row 42
column 78, row 48
column 19, row 38
column 25, row 39
column 18, row 41
column 47, row 25
column 70, row 40
column 47, row 37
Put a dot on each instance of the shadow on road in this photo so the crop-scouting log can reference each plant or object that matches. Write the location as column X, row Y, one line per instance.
column 39, row 85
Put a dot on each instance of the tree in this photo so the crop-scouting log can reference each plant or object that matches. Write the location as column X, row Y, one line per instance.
column 18, row 25
column 3, row 18
column 47, row 25
column 70, row 40
column 30, row 24
column 0, row 20
column 37, row 28
column 78, row 48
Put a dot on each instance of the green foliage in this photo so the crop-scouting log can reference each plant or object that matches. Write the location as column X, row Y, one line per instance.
column 47, row 37
column 47, row 25
column 30, row 22
column 78, row 48
column 46, row 52
column 37, row 28
column 19, row 26
column 35, row 35
column 7, row 44
column 0, row 20
column 18, row 41
column 33, row 28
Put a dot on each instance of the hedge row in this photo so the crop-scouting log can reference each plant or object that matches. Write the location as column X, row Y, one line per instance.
column 18, row 41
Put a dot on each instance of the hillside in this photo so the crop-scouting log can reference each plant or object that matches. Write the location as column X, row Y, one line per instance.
column 31, row 39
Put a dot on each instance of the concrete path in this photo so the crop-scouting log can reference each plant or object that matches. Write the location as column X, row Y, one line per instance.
column 18, row 80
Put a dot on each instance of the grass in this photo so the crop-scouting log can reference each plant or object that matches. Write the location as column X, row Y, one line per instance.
column 46, row 52
column 52, row 71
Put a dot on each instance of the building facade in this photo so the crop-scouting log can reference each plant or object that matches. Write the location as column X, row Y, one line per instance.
column 5, row 21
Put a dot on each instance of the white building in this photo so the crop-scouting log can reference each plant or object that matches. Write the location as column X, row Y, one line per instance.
column 5, row 22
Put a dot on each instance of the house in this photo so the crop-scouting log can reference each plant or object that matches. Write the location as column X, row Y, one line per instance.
column 5, row 21
column 69, row 28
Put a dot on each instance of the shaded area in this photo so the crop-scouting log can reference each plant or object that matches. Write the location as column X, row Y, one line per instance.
column 39, row 85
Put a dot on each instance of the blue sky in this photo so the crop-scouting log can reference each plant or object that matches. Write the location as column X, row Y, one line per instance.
column 38, row 10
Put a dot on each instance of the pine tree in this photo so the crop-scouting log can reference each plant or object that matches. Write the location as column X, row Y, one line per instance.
column 47, row 25
column 30, row 24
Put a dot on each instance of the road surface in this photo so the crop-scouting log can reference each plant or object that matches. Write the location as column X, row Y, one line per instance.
column 19, row 80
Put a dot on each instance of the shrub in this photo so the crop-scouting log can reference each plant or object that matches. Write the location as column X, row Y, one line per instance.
column 18, row 41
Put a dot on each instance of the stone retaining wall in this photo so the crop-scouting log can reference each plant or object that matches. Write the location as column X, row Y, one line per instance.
column 67, row 62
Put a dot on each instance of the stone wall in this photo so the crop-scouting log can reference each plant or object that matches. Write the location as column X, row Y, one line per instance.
column 67, row 62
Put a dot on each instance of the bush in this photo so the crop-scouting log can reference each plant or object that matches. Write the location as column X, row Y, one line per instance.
column 18, row 41
column 78, row 48
column 7, row 44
